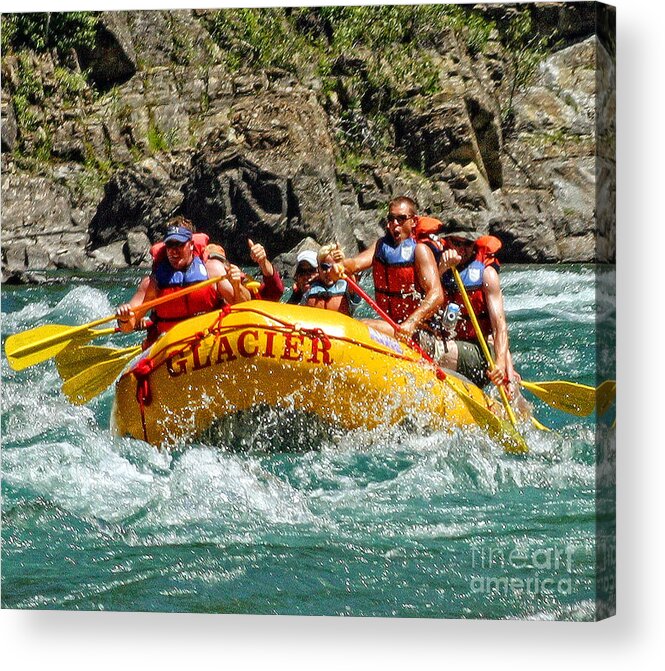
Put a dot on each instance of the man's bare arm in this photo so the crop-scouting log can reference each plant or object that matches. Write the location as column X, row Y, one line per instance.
column 128, row 313
column 360, row 262
column 497, row 315
column 230, row 286
column 427, row 276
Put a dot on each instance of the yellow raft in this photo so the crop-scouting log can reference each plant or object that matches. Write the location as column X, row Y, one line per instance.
column 283, row 356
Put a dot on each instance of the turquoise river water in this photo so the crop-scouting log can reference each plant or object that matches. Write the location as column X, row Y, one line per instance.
column 383, row 523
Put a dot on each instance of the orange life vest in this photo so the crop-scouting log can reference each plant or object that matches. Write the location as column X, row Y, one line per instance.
column 395, row 285
column 426, row 231
column 169, row 280
column 472, row 279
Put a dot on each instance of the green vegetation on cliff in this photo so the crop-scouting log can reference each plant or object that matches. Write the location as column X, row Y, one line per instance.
column 365, row 62
column 525, row 49
column 42, row 31
column 28, row 37
column 368, row 58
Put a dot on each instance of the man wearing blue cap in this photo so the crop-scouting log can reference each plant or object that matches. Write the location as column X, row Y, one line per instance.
column 181, row 261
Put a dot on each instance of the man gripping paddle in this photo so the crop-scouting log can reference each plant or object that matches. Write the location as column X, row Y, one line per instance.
column 181, row 262
column 405, row 275
column 481, row 283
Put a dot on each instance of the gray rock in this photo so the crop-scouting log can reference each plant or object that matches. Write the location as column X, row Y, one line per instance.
column 269, row 176
column 71, row 258
column 37, row 216
column 550, row 168
column 137, row 248
column 168, row 37
column 15, row 257
column 434, row 137
column 37, row 257
column 286, row 262
column 576, row 249
column 469, row 187
column 9, row 127
column 15, row 277
column 68, row 142
column 110, row 256
column 140, row 198
column 526, row 240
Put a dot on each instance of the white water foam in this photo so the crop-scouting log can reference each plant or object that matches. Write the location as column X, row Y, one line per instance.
column 80, row 305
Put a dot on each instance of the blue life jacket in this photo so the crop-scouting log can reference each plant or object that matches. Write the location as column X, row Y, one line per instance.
column 471, row 276
column 472, row 279
column 170, row 281
column 167, row 276
column 320, row 292
column 400, row 255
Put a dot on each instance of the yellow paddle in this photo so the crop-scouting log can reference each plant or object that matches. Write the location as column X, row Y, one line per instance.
column 93, row 380
column 44, row 342
column 571, row 397
column 488, row 357
column 74, row 360
column 497, row 428
column 605, row 395
column 89, row 370
column 253, row 286
column 539, row 425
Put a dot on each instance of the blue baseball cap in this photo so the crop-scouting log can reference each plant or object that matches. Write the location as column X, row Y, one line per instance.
column 177, row 234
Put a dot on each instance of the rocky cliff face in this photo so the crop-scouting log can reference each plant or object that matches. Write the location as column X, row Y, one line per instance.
column 167, row 127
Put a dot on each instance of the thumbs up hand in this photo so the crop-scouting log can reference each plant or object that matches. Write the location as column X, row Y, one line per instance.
column 258, row 254
column 337, row 254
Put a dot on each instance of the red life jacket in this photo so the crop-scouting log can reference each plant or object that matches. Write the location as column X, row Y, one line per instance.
column 485, row 250
column 426, row 231
column 169, row 280
column 395, row 285
column 472, row 279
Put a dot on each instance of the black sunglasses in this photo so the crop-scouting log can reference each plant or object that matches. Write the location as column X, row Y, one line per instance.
column 399, row 218
column 326, row 266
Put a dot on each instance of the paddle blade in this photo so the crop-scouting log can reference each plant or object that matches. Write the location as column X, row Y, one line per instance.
column 93, row 380
column 44, row 342
column 605, row 396
column 500, row 430
column 36, row 345
column 538, row 425
column 74, row 360
column 571, row 397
